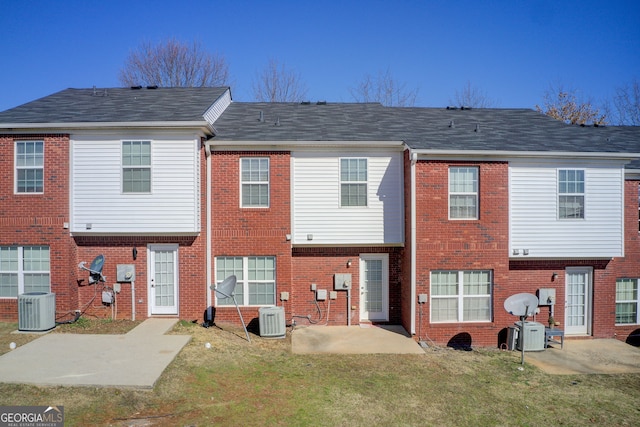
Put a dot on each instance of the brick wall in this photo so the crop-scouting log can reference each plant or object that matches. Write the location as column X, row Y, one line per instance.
column 240, row 231
column 39, row 219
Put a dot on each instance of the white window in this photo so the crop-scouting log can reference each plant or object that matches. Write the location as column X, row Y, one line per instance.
column 254, row 172
column 24, row 269
column 136, row 166
column 29, row 163
column 463, row 192
column 570, row 194
column 461, row 296
column 256, row 279
column 353, row 182
column 627, row 301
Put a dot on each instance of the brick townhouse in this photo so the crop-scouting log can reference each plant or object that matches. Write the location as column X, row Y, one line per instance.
column 341, row 214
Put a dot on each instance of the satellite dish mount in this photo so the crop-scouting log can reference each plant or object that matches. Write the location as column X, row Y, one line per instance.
column 522, row 305
column 226, row 289
column 95, row 269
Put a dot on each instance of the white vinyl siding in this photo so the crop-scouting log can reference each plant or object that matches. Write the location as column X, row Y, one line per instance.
column 99, row 205
column 534, row 222
column 316, row 196
column 29, row 161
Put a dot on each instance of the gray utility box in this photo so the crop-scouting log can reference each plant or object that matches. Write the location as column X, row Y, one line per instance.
column 533, row 335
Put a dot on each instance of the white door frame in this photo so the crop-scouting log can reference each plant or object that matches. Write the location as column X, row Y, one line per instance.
column 578, row 308
column 383, row 314
column 153, row 308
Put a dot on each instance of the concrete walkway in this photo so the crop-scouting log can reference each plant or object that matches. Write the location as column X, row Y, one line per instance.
column 391, row 339
column 135, row 360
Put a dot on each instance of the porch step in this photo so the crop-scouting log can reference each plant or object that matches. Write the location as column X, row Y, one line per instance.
column 153, row 326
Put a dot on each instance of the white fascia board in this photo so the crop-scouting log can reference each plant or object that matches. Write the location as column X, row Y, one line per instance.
column 498, row 154
column 204, row 126
column 220, row 145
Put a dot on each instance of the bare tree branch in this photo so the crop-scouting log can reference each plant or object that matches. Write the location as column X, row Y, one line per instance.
column 626, row 104
column 564, row 105
column 385, row 89
column 174, row 64
column 470, row 96
column 275, row 83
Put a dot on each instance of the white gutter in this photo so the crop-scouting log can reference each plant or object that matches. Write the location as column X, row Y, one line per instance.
column 203, row 125
column 209, row 244
column 413, row 157
column 299, row 145
column 504, row 153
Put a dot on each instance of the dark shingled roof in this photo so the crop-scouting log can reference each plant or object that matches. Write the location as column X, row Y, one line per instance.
column 420, row 128
column 116, row 105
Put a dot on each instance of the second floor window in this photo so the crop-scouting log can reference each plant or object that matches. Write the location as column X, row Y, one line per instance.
column 463, row 193
column 254, row 176
column 136, row 166
column 29, row 166
column 570, row 194
column 353, row 182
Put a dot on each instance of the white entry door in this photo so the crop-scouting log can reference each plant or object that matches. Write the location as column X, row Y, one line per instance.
column 374, row 287
column 577, row 306
column 163, row 279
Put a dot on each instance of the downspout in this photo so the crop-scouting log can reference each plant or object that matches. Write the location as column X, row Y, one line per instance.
column 207, row 153
column 414, row 160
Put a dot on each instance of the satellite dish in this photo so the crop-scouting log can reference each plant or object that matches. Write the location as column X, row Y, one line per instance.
column 226, row 288
column 521, row 304
column 95, row 270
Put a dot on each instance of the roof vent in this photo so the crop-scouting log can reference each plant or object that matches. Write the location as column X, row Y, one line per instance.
column 305, row 102
column 136, row 87
column 277, row 123
column 477, row 129
column 261, row 117
column 465, row 107
column 152, row 87
column 452, row 124
column 451, row 107
column 322, row 103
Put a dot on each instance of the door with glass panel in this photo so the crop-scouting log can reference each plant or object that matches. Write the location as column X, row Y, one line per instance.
column 577, row 306
column 163, row 279
column 374, row 287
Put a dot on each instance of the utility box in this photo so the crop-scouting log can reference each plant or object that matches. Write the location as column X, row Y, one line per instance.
column 126, row 273
column 342, row 281
column 546, row 296
column 321, row 294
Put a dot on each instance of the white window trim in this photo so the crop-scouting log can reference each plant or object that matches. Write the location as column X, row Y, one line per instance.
column 636, row 301
column 365, row 183
column 21, row 271
column 267, row 183
column 460, row 298
column 245, row 281
column 16, row 167
column 583, row 194
column 476, row 193
column 123, row 167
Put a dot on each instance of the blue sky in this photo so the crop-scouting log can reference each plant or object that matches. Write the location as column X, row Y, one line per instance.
column 511, row 50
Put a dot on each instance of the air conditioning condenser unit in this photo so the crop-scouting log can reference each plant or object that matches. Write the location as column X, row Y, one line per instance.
column 36, row 311
column 272, row 322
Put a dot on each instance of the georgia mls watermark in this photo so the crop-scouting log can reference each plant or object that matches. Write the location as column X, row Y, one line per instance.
column 31, row 416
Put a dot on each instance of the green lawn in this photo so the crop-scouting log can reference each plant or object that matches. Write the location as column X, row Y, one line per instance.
column 236, row 383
